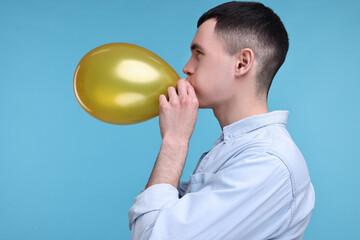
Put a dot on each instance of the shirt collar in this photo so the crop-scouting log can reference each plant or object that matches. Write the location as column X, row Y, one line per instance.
column 254, row 122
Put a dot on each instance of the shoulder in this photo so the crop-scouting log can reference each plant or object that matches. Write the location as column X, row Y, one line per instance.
column 286, row 150
column 271, row 148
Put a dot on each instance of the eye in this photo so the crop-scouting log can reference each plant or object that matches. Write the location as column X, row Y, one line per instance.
column 198, row 52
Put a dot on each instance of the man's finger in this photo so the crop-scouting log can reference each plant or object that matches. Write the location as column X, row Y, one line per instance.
column 162, row 99
column 190, row 90
column 172, row 94
column 181, row 87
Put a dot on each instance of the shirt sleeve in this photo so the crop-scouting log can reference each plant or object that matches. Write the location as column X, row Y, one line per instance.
column 248, row 199
column 182, row 188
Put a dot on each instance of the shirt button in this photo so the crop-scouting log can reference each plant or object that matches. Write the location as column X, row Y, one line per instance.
column 226, row 138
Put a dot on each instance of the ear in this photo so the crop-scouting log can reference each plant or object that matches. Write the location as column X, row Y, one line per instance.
column 244, row 62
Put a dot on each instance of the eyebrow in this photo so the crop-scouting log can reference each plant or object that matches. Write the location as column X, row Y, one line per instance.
column 196, row 46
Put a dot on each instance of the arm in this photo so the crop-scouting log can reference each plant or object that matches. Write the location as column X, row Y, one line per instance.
column 248, row 199
column 169, row 163
column 177, row 119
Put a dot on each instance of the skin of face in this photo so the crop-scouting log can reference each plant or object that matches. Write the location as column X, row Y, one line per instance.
column 210, row 69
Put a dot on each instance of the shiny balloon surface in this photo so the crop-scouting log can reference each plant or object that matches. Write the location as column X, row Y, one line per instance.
column 120, row 83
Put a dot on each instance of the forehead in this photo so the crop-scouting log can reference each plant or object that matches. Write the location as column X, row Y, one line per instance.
column 205, row 35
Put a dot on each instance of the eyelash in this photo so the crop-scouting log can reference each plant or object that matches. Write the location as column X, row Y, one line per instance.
column 198, row 52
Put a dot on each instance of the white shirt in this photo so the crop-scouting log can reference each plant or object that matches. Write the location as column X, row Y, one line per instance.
column 252, row 184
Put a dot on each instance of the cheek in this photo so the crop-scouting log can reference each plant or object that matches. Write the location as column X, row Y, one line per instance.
column 220, row 79
column 208, row 78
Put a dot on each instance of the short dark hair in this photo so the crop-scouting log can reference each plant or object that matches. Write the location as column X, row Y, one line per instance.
column 252, row 25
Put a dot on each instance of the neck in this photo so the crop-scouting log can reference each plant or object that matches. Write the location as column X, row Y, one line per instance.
column 234, row 111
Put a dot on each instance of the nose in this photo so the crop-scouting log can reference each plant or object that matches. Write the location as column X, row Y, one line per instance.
column 188, row 68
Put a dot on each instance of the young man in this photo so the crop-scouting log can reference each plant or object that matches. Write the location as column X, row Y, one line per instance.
column 254, row 182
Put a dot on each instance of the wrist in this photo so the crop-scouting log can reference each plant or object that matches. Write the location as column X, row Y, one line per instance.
column 177, row 141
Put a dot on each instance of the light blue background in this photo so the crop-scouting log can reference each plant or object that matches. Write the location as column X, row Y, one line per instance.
column 66, row 175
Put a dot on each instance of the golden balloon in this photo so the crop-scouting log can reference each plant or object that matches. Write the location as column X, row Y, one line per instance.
column 120, row 83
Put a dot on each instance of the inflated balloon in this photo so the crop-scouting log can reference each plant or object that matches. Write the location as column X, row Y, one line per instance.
column 120, row 83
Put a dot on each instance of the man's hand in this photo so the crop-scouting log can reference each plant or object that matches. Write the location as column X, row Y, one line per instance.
column 177, row 117
column 177, row 121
